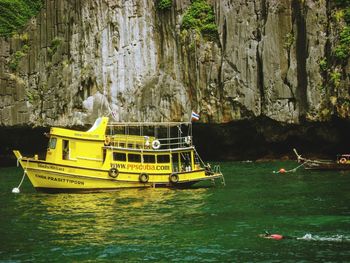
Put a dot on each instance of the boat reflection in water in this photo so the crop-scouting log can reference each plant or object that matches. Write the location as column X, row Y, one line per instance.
column 118, row 217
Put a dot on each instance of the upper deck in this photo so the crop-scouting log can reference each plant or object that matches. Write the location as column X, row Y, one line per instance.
column 72, row 145
column 149, row 136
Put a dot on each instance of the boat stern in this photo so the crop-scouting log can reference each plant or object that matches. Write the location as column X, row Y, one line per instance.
column 208, row 174
column 215, row 173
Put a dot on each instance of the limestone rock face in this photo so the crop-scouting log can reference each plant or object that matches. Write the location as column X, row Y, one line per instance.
column 128, row 59
column 271, row 53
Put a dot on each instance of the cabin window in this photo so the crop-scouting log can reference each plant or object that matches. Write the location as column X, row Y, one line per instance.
column 135, row 158
column 52, row 143
column 65, row 149
column 175, row 161
column 186, row 161
column 185, row 157
column 147, row 158
column 119, row 157
column 163, row 158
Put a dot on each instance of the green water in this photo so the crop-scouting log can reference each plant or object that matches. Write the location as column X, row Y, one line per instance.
column 198, row 225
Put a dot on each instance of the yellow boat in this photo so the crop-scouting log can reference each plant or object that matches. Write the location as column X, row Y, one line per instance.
column 118, row 155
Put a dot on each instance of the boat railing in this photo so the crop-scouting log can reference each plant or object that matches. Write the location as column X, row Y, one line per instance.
column 177, row 142
column 147, row 142
column 149, row 135
column 217, row 169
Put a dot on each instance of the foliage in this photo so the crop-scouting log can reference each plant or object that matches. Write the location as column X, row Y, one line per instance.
column 323, row 64
column 209, row 29
column 24, row 37
column 200, row 16
column 347, row 15
column 16, row 13
column 335, row 78
column 342, row 50
column 338, row 15
column 25, row 49
column 164, row 4
column 30, row 95
column 345, row 35
column 16, row 57
column 55, row 43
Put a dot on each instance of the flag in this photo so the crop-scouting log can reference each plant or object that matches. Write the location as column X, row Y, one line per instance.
column 114, row 114
column 194, row 116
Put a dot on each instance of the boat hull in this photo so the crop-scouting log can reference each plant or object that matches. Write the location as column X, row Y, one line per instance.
column 327, row 166
column 53, row 178
column 322, row 165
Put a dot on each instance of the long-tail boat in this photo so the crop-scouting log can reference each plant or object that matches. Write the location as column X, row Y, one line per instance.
column 342, row 162
column 111, row 156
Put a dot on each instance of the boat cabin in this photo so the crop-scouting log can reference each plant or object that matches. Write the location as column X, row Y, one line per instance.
column 157, row 148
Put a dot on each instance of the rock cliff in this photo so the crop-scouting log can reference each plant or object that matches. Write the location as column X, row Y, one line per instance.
column 134, row 60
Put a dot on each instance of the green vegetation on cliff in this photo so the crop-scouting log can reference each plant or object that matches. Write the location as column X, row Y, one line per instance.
column 342, row 50
column 341, row 16
column 200, row 16
column 16, row 57
column 14, row 14
column 334, row 66
column 55, row 43
column 164, row 4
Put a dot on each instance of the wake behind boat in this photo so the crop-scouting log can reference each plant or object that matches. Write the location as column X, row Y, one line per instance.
column 341, row 163
column 119, row 155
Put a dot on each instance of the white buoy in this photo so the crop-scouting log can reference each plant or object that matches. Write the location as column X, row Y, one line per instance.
column 16, row 190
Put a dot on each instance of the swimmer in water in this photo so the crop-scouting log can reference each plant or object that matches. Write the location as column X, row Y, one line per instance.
column 336, row 238
column 274, row 236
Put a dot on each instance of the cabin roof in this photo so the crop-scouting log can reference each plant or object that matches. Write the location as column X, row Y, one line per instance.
column 156, row 124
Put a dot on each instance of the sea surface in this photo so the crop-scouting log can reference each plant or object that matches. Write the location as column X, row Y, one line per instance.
column 202, row 224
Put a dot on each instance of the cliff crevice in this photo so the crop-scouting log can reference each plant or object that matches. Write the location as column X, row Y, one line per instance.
column 298, row 15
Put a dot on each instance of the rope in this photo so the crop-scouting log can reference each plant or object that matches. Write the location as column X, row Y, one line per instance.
column 16, row 190
column 289, row 171
column 18, row 160
column 200, row 159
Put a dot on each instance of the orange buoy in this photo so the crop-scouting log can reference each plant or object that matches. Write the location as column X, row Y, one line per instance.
column 282, row 170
